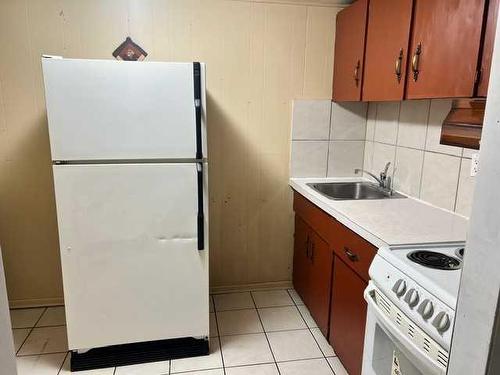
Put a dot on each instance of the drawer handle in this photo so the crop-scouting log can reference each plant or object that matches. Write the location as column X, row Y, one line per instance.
column 352, row 257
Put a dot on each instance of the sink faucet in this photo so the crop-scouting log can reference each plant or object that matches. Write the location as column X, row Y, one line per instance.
column 384, row 181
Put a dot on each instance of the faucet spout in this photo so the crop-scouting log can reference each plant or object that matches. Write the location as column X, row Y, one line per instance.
column 384, row 181
column 358, row 170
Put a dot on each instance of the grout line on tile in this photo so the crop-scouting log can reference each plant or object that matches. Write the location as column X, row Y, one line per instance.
column 218, row 338
column 265, row 333
column 36, row 354
column 31, row 330
column 64, row 360
column 329, row 139
column 458, row 185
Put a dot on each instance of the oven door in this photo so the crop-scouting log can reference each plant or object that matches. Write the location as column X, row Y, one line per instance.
column 394, row 345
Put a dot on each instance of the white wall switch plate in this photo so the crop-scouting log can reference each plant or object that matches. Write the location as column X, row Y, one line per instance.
column 474, row 165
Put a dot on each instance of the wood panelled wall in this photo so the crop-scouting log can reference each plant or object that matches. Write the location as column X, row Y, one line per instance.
column 260, row 55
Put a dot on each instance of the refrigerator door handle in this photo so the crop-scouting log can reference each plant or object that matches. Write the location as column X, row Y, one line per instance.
column 201, row 215
column 197, row 105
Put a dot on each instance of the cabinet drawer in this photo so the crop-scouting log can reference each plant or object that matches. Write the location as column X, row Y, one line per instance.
column 355, row 251
column 322, row 223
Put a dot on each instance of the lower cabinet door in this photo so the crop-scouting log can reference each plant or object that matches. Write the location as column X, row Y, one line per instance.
column 348, row 317
column 301, row 263
column 320, row 279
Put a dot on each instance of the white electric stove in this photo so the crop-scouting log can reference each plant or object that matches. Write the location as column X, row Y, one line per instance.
column 411, row 299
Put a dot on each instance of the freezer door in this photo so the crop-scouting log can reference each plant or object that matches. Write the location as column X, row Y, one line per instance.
column 105, row 109
column 131, row 266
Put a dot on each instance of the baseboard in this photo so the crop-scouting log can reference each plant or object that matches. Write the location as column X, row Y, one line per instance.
column 249, row 287
column 35, row 302
column 58, row 301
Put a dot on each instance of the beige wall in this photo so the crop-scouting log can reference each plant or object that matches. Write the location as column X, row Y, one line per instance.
column 260, row 56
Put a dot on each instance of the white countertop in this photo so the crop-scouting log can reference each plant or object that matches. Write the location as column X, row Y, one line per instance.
column 388, row 222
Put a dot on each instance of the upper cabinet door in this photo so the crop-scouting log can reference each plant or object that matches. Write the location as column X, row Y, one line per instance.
column 349, row 52
column 445, row 47
column 489, row 38
column 386, row 49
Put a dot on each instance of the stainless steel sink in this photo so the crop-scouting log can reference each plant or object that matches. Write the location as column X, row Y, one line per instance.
column 353, row 191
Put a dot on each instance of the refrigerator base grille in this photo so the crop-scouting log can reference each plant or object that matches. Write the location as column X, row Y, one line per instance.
column 142, row 352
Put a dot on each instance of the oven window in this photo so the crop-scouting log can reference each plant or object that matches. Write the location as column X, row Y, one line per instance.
column 383, row 352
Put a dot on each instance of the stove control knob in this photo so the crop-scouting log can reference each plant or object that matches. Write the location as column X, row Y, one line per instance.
column 441, row 322
column 412, row 298
column 399, row 287
column 426, row 309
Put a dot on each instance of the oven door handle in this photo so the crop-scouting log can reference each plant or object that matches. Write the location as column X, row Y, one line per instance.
column 405, row 345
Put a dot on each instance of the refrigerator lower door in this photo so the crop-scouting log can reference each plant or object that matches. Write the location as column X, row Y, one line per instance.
column 131, row 266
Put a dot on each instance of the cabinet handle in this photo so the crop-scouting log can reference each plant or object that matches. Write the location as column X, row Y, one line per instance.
column 415, row 62
column 352, row 257
column 307, row 246
column 356, row 73
column 399, row 62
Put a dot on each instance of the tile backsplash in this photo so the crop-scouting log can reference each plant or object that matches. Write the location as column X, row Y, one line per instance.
column 328, row 139
column 332, row 139
column 424, row 168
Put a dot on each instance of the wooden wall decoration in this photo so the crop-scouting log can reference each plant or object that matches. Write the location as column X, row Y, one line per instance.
column 129, row 51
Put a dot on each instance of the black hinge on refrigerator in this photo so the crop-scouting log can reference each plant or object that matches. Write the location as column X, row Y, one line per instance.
column 197, row 106
column 201, row 215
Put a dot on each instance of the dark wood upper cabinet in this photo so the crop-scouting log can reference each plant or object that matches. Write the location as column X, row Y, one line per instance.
column 487, row 53
column 445, row 43
column 386, row 55
column 349, row 52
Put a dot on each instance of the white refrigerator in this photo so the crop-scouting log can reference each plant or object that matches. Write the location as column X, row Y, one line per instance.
column 129, row 151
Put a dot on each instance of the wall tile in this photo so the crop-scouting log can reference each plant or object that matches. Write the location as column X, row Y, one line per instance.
column 386, row 124
column 413, row 123
column 408, row 172
column 382, row 154
column 371, row 118
column 440, row 179
column 468, row 152
column 439, row 109
column 311, row 119
column 368, row 156
column 348, row 121
column 465, row 191
column 344, row 157
column 309, row 158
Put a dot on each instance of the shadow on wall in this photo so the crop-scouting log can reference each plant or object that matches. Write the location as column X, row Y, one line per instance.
column 251, row 219
column 28, row 235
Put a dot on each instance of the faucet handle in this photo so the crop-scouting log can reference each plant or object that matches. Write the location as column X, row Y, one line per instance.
column 386, row 169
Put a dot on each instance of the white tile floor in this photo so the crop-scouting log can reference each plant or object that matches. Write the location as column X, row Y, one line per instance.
column 252, row 333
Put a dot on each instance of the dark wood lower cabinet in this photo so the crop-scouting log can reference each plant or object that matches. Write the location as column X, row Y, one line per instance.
column 300, row 259
column 330, row 273
column 348, row 317
column 312, row 271
column 320, row 279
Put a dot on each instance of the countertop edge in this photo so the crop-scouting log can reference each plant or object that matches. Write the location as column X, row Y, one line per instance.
column 299, row 185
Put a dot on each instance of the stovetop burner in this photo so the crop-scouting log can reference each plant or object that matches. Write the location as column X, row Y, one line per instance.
column 460, row 253
column 435, row 260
